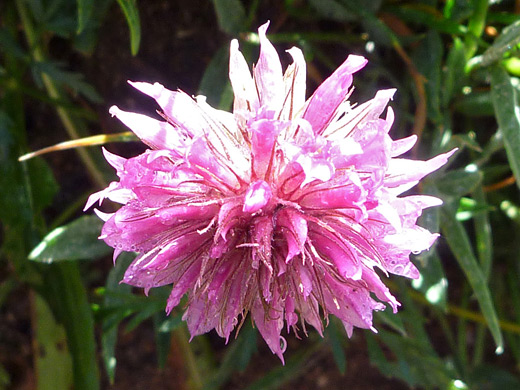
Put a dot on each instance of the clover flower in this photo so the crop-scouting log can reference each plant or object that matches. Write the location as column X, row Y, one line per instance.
column 284, row 209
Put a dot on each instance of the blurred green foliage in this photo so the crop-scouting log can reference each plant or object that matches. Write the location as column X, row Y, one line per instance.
column 456, row 66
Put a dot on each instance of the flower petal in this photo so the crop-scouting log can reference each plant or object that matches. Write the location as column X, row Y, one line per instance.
column 331, row 93
column 268, row 73
column 154, row 133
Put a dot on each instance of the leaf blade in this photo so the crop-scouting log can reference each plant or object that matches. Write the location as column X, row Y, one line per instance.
column 460, row 245
column 505, row 104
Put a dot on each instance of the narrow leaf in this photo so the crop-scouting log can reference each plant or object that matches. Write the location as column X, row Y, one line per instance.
column 64, row 288
column 231, row 15
column 53, row 361
column 334, row 339
column 129, row 8
column 100, row 139
column 237, row 357
column 109, row 336
column 294, row 367
column 460, row 245
column 76, row 241
column 85, row 8
column 508, row 39
column 457, row 183
column 505, row 103
column 454, row 75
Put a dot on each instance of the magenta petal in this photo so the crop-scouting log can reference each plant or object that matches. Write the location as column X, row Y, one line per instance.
column 331, row 92
column 257, row 196
column 262, row 234
column 263, row 137
column 268, row 72
column 286, row 209
column 180, row 108
column 341, row 253
column 116, row 161
column 210, row 165
column 402, row 145
column 402, row 171
column 270, row 326
column 244, row 88
column 294, row 228
column 154, row 133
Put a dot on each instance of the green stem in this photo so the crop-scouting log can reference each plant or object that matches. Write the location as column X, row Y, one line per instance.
column 189, row 357
column 476, row 26
column 54, row 93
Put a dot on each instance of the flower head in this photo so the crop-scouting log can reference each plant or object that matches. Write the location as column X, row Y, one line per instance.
column 284, row 208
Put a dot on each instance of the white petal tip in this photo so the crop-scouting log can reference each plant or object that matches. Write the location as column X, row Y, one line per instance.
column 114, row 110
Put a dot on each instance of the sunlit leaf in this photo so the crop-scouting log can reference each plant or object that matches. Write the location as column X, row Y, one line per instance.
column 53, row 362
column 76, row 241
column 508, row 39
column 460, row 245
column 505, row 103
column 101, row 139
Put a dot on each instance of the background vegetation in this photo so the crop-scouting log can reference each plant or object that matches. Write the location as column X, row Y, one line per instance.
column 456, row 65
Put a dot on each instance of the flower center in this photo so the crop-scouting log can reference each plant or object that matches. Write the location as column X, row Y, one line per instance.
column 257, row 196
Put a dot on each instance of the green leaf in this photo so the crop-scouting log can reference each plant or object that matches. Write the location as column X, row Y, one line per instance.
column 483, row 234
column 85, row 8
column 67, row 295
column 470, row 208
column 76, row 241
column 294, row 367
column 10, row 46
column 460, row 245
column 74, row 80
column 129, row 8
column 231, row 15
column 334, row 337
column 505, row 103
column 237, row 357
column 414, row 362
column 491, row 377
column 86, row 40
column 333, row 10
column 109, row 336
column 428, row 59
column 53, row 362
column 417, row 13
column 391, row 320
column 454, row 75
column 215, row 82
column 432, row 281
column 506, row 41
column 5, row 379
column 162, row 339
column 476, row 104
column 457, row 183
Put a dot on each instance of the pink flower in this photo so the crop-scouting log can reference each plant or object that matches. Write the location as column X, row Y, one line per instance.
column 284, row 208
